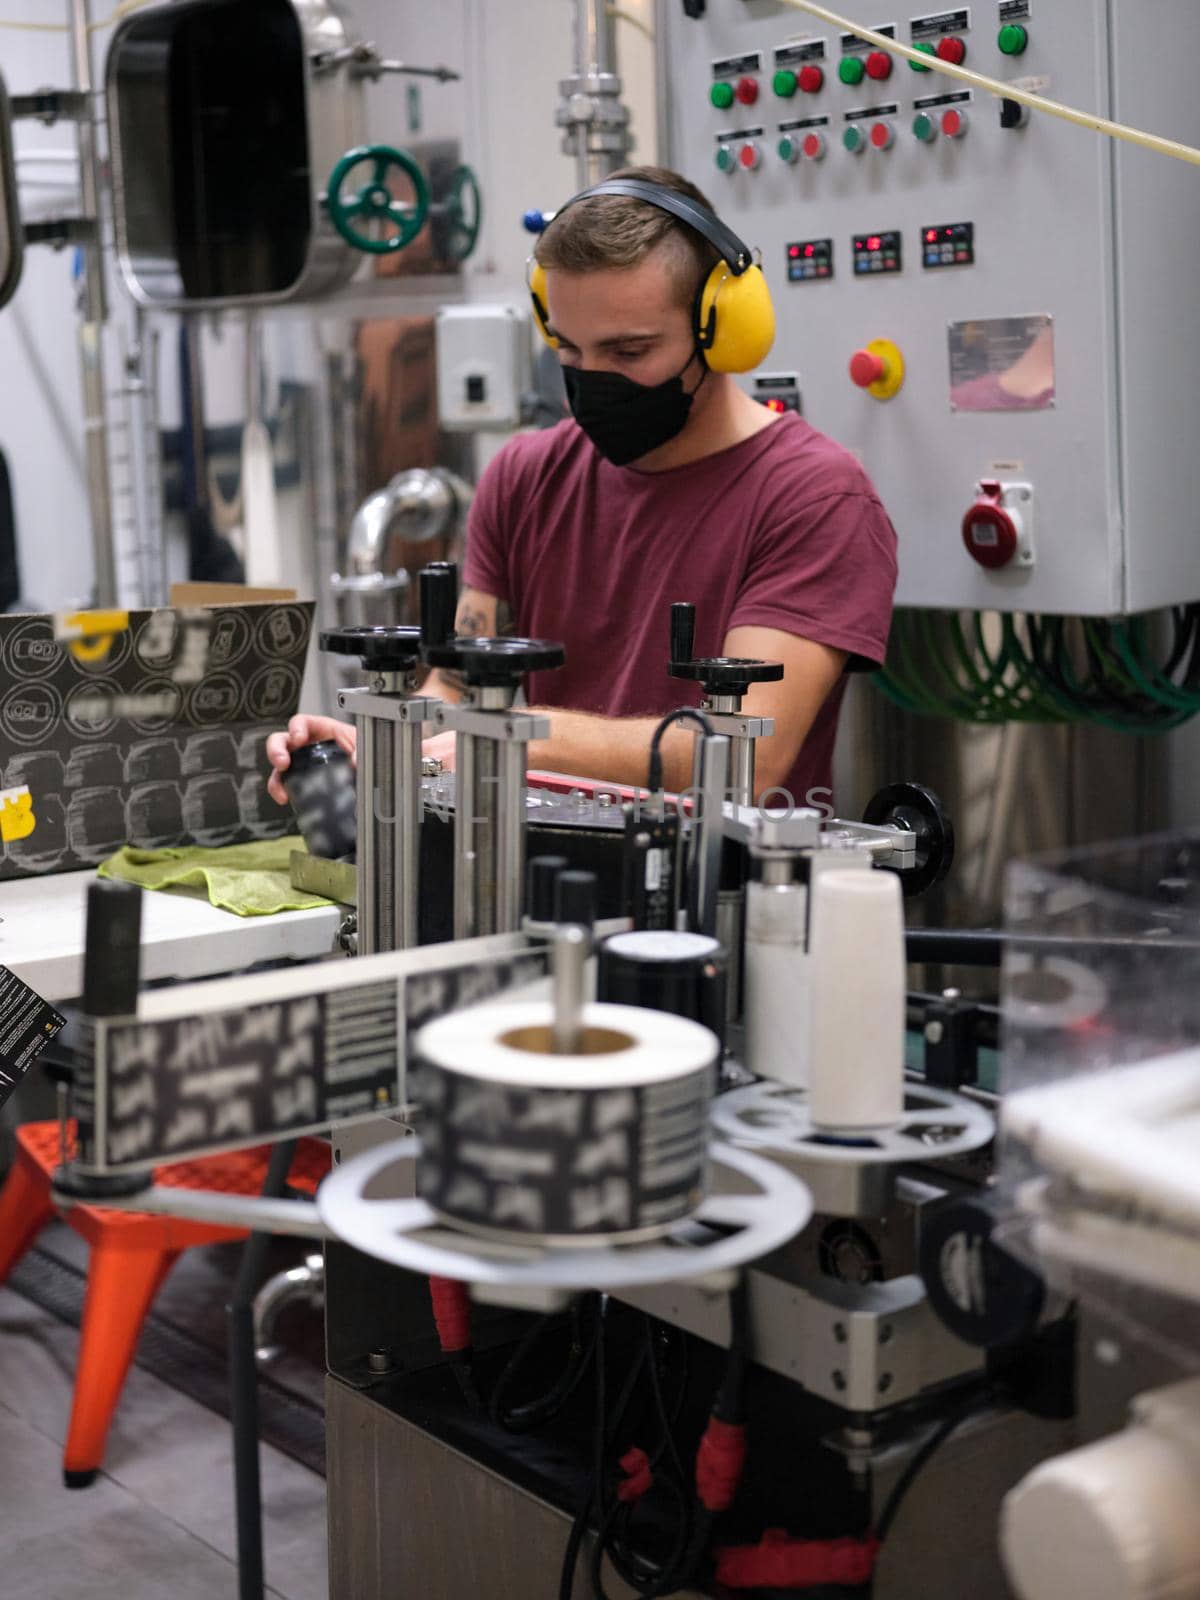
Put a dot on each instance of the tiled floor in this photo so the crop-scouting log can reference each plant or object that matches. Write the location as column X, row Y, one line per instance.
column 158, row 1523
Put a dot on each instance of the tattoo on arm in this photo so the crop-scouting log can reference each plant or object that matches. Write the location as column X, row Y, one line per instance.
column 471, row 623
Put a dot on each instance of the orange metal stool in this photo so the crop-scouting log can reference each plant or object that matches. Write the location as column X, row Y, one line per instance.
column 131, row 1254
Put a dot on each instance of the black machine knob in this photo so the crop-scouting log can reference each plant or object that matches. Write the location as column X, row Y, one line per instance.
column 492, row 663
column 918, row 811
column 393, row 649
column 718, row 674
column 575, row 898
column 439, row 602
column 683, row 631
column 980, row 1291
column 542, row 877
column 112, row 949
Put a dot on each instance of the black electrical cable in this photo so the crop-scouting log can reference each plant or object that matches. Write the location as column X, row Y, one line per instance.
column 971, row 1407
column 530, row 1414
column 654, row 777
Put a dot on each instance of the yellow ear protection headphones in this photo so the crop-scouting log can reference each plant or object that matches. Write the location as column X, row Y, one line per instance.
column 733, row 318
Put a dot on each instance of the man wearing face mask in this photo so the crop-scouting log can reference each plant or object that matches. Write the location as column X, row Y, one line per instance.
column 668, row 482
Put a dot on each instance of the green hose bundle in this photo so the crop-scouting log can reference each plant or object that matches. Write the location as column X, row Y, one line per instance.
column 1135, row 674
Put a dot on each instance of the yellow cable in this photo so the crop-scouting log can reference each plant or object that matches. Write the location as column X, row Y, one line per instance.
column 1008, row 91
column 635, row 21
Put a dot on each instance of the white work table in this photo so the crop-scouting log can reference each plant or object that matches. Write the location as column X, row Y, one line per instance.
column 183, row 934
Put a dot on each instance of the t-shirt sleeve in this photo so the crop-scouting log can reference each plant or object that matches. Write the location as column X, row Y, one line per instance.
column 485, row 565
column 825, row 572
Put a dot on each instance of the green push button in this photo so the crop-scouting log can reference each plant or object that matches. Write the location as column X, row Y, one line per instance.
column 784, row 83
column 851, row 69
column 1013, row 39
column 926, row 50
column 725, row 159
column 787, row 149
column 924, row 128
column 854, row 140
column 721, row 95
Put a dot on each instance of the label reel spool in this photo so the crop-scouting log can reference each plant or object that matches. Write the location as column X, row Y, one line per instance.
column 409, row 1233
column 775, row 1117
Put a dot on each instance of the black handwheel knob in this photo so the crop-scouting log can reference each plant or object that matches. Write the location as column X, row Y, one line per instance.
column 439, row 602
column 575, row 898
column 496, row 663
column 380, row 649
column 917, row 810
column 727, row 674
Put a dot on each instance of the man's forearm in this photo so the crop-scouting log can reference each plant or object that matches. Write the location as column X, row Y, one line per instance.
column 615, row 749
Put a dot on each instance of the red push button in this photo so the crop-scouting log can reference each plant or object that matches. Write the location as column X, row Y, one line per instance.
column 952, row 49
column 882, row 136
column 747, row 91
column 749, row 156
column 879, row 65
column 867, row 368
column 814, row 147
column 988, row 531
column 812, row 79
column 954, row 124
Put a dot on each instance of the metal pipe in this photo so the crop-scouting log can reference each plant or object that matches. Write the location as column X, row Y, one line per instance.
column 91, row 354
column 570, row 964
column 305, row 1282
column 741, row 777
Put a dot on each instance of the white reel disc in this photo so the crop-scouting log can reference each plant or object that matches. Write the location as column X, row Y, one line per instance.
column 408, row 1233
column 771, row 1116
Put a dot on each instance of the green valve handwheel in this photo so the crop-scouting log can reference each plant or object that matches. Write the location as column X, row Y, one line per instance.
column 461, row 213
column 375, row 201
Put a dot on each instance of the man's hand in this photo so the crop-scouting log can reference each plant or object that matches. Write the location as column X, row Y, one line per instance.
column 441, row 746
column 302, row 730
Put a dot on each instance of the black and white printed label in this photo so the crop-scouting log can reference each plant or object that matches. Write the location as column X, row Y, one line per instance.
column 940, row 22
column 737, row 66
column 853, row 45
column 795, row 55
column 1015, row 10
column 27, row 1025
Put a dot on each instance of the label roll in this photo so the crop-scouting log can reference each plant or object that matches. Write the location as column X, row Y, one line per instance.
column 607, row 1145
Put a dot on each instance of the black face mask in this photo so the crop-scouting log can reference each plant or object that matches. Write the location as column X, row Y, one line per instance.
column 624, row 419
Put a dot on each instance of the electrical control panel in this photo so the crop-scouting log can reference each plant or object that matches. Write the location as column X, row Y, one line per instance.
column 971, row 292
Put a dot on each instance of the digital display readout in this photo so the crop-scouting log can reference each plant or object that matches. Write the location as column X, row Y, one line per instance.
column 948, row 244
column 877, row 253
column 808, row 259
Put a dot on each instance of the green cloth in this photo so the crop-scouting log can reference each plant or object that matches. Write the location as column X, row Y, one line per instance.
column 250, row 879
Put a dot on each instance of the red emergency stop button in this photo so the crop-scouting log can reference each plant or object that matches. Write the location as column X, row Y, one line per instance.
column 879, row 65
column 812, row 79
column 867, row 368
column 747, row 91
column 989, row 531
column 952, row 49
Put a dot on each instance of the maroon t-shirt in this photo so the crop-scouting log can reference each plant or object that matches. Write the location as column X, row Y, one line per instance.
column 783, row 530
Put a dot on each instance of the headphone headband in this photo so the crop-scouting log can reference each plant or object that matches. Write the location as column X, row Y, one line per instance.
column 697, row 217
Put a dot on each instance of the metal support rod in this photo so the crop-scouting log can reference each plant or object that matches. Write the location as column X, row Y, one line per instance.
column 707, row 832
column 466, row 912
column 741, row 776
column 510, row 837
column 378, row 909
column 570, row 964
column 243, row 1391
column 407, row 811
column 91, row 355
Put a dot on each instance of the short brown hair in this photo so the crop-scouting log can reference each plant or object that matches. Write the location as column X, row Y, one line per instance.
column 612, row 232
